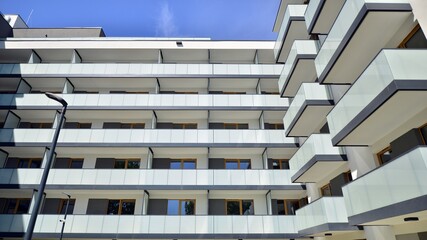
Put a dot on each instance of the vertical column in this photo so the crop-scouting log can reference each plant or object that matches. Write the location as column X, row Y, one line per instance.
column 268, row 199
column 145, row 200
column 265, row 159
column 12, row 120
column 258, row 87
column 261, row 120
column 157, row 90
column 45, row 156
column 76, row 58
column 57, row 119
column 256, row 60
column 34, row 58
column 3, row 158
column 23, row 87
column 150, row 157
column 68, row 86
column 154, row 120
column 379, row 233
column 33, row 199
column 160, row 57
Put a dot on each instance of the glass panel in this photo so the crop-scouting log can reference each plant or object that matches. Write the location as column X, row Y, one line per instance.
column 248, row 207
column 385, row 157
column 187, row 207
column 230, row 126
column 85, row 125
column 231, row 164
column 23, row 163
column 133, row 164
column 10, row 206
column 285, row 164
column 281, row 207
column 175, row 165
column 418, row 40
column 128, row 207
column 233, row 207
column 326, row 190
column 173, row 207
column 113, row 207
column 242, row 126
column 293, row 205
column 138, row 125
column 191, row 126
column 23, row 206
column 36, row 163
column 276, row 164
column 178, row 126
column 245, row 164
column 70, row 206
column 189, row 165
column 119, row 163
column 76, row 163
column 125, row 125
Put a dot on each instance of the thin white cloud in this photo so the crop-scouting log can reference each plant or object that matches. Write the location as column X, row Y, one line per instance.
column 166, row 26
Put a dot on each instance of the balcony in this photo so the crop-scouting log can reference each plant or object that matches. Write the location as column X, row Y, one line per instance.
column 321, row 15
column 152, row 179
column 299, row 67
column 316, row 158
column 147, row 102
column 388, row 194
column 145, row 226
column 147, row 138
column 132, row 70
column 292, row 28
column 325, row 215
column 392, row 87
column 361, row 30
column 308, row 110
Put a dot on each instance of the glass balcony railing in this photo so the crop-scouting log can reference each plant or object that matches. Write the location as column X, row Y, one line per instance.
column 324, row 212
column 146, row 225
column 400, row 180
column 148, row 137
column 146, row 101
column 153, row 178
column 362, row 99
column 139, row 70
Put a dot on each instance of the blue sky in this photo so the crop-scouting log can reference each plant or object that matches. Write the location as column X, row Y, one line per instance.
column 218, row 19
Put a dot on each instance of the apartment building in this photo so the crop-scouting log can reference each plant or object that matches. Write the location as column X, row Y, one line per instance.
column 319, row 135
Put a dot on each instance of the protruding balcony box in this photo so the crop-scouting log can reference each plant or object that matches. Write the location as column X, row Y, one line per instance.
column 361, row 30
column 392, row 87
column 281, row 12
column 151, row 226
column 299, row 67
column 325, row 215
column 308, row 110
column 390, row 193
column 147, row 102
column 147, row 138
column 321, row 15
column 292, row 28
column 152, row 179
column 316, row 158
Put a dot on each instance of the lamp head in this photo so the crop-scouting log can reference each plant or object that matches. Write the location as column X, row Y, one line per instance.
column 56, row 98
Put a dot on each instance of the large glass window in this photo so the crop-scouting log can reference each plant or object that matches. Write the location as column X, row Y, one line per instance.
column 280, row 163
column 29, row 163
column 326, row 190
column 183, row 164
column 384, row 156
column 181, row 207
column 127, row 163
column 237, row 164
column 121, row 207
column 240, row 207
column 77, row 125
column 184, row 126
column 415, row 39
column 288, row 207
column 16, row 206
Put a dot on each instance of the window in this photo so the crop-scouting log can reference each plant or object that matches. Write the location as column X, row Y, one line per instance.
column 288, row 207
column 182, row 164
column 29, row 163
column 274, row 126
column 127, row 163
column 121, row 207
column 184, row 126
column 240, row 207
column 415, row 39
column 181, row 207
column 16, row 205
column 63, row 206
column 280, row 163
column 118, row 125
column 384, row 156
column 236, row 126
column 326, row 190
column 34, row 125
column 77, row 125
column 237, row 163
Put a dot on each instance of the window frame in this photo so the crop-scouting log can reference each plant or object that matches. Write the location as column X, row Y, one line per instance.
column 182, row 161
column 238, row 163
column 409, row 36
column 240, row 205
column 281, row 163
column 326, row 186
column 381, row 153
column 127, row 160
column 119, row 211
column 179, row 206
column 15, row 209
column 30, row 161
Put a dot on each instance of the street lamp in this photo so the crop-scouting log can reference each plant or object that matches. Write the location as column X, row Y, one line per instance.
column 65, row 215
column 39, row 193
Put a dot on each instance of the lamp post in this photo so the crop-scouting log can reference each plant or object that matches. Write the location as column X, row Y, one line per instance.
column 65, row 215
column 39, row 193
